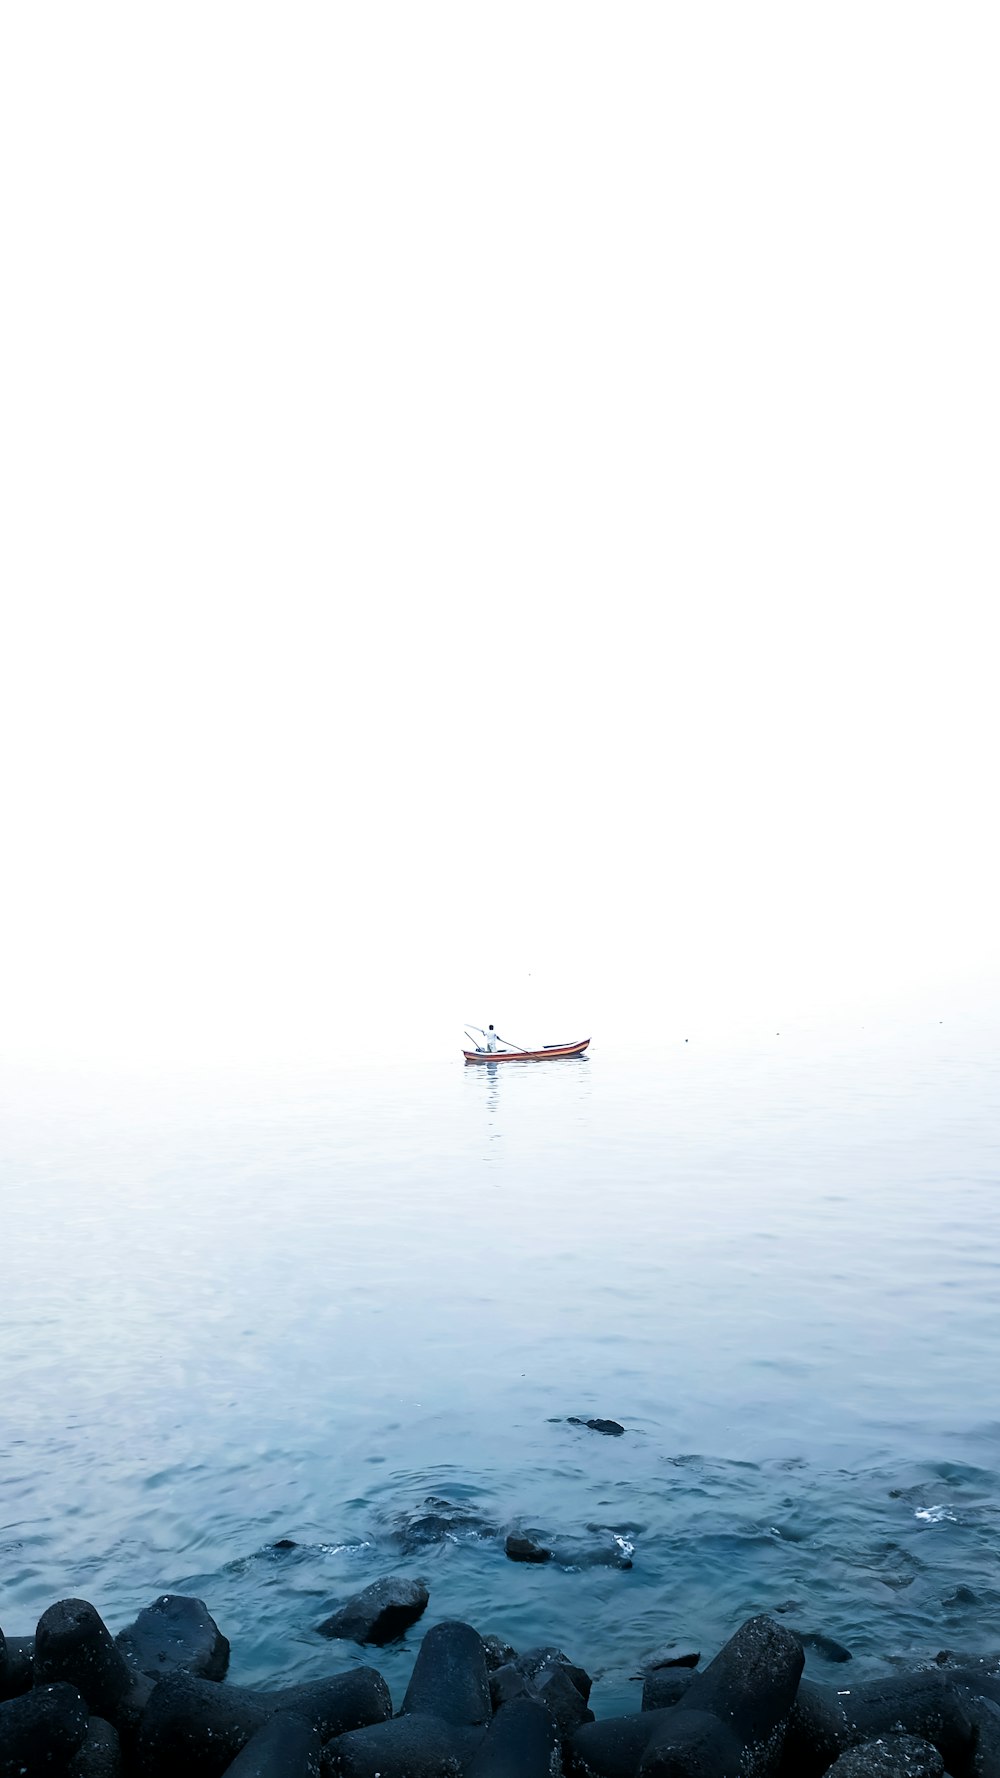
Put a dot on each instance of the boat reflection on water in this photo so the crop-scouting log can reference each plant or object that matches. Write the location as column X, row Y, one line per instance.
column 489, row 1068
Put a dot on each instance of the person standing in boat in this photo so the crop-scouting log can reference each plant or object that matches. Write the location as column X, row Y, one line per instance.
column 492, row 1041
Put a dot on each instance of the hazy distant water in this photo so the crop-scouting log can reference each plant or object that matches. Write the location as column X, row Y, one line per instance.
column 235, row 1310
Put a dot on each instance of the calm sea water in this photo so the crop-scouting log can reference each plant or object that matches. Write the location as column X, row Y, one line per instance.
column 237, row 1310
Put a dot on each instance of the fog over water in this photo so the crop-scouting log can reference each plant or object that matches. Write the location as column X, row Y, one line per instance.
column 500, row 528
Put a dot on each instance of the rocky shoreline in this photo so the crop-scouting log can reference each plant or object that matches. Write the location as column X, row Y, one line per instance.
column 153, row 1702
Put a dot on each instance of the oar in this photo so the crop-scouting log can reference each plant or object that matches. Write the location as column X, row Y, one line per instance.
column 513, row 1046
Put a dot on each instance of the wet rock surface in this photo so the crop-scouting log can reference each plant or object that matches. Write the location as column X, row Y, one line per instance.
column 380, row 1613
column 175, row 1635
column 891, row 1756
column 665, row 1686
column 474, row 1708
column 441, row 1521
column 526, row 1549
column 41, row 1731
column 99, row 1755
column 17, row 1665
column 73, row 1644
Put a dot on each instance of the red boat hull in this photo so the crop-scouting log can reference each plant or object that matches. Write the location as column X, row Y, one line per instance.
column 542, row 1055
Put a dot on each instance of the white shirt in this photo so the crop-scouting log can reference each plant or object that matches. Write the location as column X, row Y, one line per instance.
column 491, row 1040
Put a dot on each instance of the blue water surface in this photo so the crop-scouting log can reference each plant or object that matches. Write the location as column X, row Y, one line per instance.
column 239, row 1309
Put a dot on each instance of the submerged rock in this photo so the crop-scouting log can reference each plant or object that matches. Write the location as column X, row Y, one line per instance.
column 379, row 1614
column 440, row 1521
column 610, row 1428
column 526, row 1549
column 610, row 1551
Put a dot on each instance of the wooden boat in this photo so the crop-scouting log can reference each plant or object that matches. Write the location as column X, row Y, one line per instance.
column 542, row 1055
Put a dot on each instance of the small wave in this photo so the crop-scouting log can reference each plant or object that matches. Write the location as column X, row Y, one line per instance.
column 936, row 1515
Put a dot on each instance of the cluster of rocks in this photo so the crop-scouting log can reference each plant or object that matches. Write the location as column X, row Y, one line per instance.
column 76, row 1702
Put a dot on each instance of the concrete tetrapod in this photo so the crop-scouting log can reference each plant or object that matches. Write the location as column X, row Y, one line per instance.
column 736, row 1711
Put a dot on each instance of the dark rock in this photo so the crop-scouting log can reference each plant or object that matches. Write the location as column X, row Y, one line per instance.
column 962, row 1596
column 750, row 1686
column 521, row 1742
column 985, row 1718
column 449, row 1677
column 824, row 1645
column 282, row 1544
column 669, row 1656
column 815, row 1734
column 380, row 1613
column 507, row 1683
column 41, row 1731
column 99, row 1754
column 926, row 1705
column 610, row 1428
column 554, row 1688
column 545, row 1676
column 611, row 1551
column 199, row 1727
column 414, row 1746
column 286, row 1747
column 439, row 1521
column 175, row 1635
column 978, row 1676
column 665, row 1686
column 614, row 1747
column 535, row 1661
column 17, row 1667
column 525, row 1549
column 73, row 1643
column 692, row 1744
column 497, row 1652
column 891, row 1756
column 824, row 1723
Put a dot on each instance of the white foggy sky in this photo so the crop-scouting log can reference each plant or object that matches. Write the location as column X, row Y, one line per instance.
column 500, row 517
